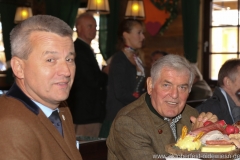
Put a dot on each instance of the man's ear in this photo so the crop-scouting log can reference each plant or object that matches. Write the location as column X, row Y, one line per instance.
column 149, row 85
column 125, row 35
column 226, row 81
column 17, row 67
column 78, row 27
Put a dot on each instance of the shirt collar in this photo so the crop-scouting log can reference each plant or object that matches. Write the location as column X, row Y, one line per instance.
column 231, row 102
column 173, row 120
column 46, row 110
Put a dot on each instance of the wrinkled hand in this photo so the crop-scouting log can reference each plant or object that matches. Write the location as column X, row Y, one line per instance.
column 203, row 117
column 236, row 142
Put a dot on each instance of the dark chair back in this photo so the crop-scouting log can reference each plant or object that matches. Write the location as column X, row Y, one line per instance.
column 195, row 103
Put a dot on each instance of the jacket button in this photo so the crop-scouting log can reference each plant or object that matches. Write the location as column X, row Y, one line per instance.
column 160, row 131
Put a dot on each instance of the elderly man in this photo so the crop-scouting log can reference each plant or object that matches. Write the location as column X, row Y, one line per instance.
column 35, row 122
column 225, row 101
column 144, row 127
column 87, row 98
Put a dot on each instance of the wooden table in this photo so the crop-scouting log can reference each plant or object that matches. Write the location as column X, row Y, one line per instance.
column 93, row 150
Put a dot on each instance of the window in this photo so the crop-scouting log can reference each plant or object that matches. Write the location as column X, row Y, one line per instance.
column 220, row 36
column 2, row 53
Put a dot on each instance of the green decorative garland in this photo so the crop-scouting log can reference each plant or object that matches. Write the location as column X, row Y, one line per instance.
column 170, row 6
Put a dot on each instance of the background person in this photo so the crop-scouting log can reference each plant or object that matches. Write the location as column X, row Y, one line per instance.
column 43, row 65
column 126, row 77
column 225, row 101
column 157, row 55
column 200, row 88
column 143, row 128
column 87, row 98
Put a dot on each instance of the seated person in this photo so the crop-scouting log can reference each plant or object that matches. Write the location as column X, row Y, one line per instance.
column 200, row 88
column 157, row 55
column 143, row 128
column 225, row 102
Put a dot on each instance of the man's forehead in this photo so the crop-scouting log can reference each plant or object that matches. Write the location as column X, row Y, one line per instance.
column 175, row 70
column 167, row 69
column 174, row 73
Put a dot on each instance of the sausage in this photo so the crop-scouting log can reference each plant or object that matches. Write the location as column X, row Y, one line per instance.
column 218, row 142
column 208, row 128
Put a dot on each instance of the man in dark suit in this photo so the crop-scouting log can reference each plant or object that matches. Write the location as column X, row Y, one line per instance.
column 88, row 94
column 143, row 128
column 43, row 66
column 225, row 101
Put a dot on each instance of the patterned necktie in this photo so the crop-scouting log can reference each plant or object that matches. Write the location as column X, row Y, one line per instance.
column 55, row 119
column 173, row 124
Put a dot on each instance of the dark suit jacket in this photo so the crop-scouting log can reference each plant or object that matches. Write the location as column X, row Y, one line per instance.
column 121, row 84
column 217, row 104
column 26, row 133
column 135, row 132
column 88, row 94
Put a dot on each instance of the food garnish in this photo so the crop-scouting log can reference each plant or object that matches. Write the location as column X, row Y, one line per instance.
column 198, row 136
column 208, row 136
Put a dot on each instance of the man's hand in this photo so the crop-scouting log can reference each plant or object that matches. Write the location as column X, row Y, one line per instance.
column 202, row 118
column 105, row 69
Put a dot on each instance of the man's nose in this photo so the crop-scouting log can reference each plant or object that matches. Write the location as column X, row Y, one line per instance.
column 174, row 92
column 64, row 69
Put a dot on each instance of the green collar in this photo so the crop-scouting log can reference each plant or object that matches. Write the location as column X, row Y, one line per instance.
column 149, row 104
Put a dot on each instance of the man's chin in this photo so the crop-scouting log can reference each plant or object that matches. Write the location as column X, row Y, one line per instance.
column 63, row 97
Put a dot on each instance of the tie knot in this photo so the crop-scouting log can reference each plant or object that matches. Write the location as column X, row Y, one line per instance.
column 55, row 119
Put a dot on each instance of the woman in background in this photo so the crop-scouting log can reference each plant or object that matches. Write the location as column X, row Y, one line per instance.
column 126, row 79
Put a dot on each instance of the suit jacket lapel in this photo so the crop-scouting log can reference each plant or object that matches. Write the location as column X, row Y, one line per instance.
column 66, row 132
column 17, row 93
column 54, row 132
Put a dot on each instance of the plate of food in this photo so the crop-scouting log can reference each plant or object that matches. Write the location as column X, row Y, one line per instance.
column 212, row 141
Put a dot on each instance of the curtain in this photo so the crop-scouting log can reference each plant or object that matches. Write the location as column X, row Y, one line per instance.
column 7, row 12
column 190, row 15
column 63, row 9
column 103, row 32
column 108, row 30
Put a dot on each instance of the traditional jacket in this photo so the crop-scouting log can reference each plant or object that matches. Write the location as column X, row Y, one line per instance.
column 26, row 133
column 139, row 133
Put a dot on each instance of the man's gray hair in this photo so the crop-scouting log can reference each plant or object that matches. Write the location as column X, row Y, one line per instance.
column 19, row 36
column 175, row 62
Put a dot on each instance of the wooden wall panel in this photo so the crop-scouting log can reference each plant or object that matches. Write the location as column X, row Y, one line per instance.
column 171, row 41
